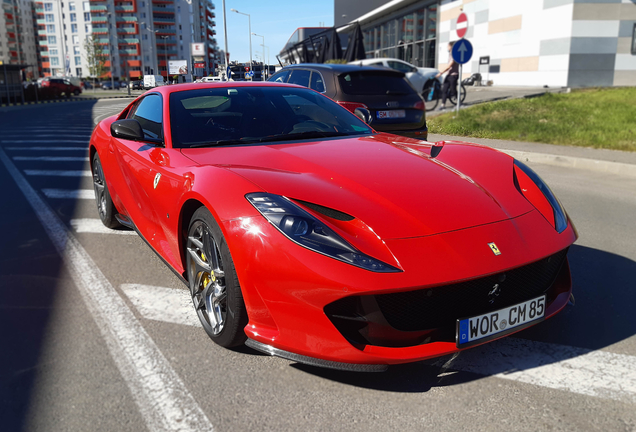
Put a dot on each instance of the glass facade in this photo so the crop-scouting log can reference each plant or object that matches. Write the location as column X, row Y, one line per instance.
column 410, row 36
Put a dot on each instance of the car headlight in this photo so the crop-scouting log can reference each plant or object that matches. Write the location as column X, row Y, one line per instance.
column 307, row 231
column 530, row 185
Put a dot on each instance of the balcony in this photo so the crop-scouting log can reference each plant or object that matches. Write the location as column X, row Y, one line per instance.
column 41, row 21
column 126, row 19
column 99, row 8
column 160, row 9
column 128, row 52
column 164, row 52
column 125, row 8
column 128, row 41
column 125, row 30
column 42, row 32
column 100, row 31
column 163, row 20
column 99, row 19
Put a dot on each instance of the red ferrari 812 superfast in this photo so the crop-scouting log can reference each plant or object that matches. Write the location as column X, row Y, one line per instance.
column 304, row 233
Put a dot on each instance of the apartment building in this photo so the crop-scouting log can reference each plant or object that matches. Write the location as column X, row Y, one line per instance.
column 17, row 39
column 136, row 37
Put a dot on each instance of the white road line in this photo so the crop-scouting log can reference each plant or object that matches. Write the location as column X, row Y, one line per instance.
column 69, row 193
column 84, row 149
column 577, row 370
column 95, row 226
column 162, row 304
column 67, row 141
column 50, row 158
column 161, row 396
column 59, row 173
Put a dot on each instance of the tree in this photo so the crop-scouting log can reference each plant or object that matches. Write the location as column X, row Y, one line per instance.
column 95, row 57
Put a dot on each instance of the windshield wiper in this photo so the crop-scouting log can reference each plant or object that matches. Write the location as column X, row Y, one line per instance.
column 224, row 142
column 301, row 135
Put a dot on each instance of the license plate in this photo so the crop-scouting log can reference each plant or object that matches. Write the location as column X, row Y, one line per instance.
column 482, row 328
column 391, row 114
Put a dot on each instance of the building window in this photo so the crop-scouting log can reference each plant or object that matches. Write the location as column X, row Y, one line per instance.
column 52, row 51
column 86, row 6
column 48, row 7
column 49, row 17
column 71, row 6
column 78, row 60
column 52, row 40
column 87, row 16
column 50, row 28
column 73, row 17
column 75, row 39
column 87, row 28
column 73, row 28
column 76, row 50
column 55, row 61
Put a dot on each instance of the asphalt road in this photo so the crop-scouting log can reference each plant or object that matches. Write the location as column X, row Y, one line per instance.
column 89, row 343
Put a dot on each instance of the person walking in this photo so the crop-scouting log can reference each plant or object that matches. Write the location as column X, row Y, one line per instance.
column 450, row 82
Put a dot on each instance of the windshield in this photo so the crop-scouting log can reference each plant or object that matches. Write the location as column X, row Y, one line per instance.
column 243, row 115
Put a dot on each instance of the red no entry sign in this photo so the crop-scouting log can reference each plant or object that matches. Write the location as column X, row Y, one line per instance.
column 462, row 25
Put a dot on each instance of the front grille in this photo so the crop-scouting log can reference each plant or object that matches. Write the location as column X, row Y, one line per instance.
column 441, row 306
column 428, row 315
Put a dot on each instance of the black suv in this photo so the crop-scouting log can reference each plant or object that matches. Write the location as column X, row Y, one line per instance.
column 395, row 106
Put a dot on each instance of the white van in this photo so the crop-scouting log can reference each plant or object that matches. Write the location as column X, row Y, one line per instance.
column 152, row 81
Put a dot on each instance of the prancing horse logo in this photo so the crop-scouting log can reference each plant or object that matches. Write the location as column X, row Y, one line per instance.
column 494, row 248
column 157, row 177
column 494, row 293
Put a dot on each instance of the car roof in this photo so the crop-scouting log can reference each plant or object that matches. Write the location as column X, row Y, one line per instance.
column 174, row 88
column 339, row 68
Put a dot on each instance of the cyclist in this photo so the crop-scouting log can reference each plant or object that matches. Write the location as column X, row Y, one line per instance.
column 450, row 82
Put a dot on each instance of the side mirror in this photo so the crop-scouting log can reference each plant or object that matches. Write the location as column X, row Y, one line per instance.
column 364, row 115
column 127, row 129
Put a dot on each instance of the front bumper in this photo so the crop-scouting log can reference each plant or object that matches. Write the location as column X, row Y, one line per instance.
column 287, row 289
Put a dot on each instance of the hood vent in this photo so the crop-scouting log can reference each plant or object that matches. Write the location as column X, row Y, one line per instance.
column 329, row 212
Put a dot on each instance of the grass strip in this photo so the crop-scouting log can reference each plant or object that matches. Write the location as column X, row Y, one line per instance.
column 598, row 118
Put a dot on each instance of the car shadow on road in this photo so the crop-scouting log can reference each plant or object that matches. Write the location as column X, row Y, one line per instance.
column 602, row 316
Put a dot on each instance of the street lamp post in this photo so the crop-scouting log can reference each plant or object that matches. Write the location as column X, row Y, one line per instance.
column 249, row 24
column 263, row 45
column 110, row 56
column 165, row 48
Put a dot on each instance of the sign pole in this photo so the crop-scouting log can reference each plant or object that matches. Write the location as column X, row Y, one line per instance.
column 459, row 88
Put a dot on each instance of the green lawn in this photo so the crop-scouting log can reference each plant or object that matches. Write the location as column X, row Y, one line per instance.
column 600, row 118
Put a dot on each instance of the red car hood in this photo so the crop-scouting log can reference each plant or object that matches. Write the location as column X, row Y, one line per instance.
column 390, row 183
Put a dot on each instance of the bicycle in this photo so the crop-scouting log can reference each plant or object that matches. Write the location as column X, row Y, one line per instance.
column 432, row 93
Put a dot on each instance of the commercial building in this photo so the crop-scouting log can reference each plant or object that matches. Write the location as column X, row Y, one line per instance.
column 531, row 42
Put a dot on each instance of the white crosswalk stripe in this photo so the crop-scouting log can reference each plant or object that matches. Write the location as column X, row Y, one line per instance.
column 50, row 158
column 69, row 194
column 162, row 304
column 95, row 226
column 59, row 173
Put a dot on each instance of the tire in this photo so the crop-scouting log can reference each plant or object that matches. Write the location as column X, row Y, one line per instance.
column 105, row 206
column 214, row 286
column 76, row 92
column 453, row 98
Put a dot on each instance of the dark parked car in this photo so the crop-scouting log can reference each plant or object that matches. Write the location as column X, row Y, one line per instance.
column 107, row 85
column 137, row 85
column 393, row 104
column 55, row 87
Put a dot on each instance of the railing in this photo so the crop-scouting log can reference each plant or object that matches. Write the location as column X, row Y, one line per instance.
column 128, row 41
column 127, row 19
column 99, row 19
column 163, row 9
column 98, row 8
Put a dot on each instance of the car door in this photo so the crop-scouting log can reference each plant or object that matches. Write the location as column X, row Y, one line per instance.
column 149, row 174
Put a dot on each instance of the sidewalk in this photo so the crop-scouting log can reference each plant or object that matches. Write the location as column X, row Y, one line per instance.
column 600, row 160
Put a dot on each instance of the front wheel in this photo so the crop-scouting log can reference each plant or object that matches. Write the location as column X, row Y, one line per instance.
column 431, row 98
column 105, row 206
column 453, row 98
column 214, row 286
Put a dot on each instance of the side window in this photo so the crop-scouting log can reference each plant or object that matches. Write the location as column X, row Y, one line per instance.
column 299, row 77
column 149, row 114
column 317, row 82
column 280, row 77
column 402, row 67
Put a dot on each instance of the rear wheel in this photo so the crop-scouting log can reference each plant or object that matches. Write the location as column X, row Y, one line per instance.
column 214, row 286
column 431, row 95
column 76, row 92
column 105, row 206
column 453, row 98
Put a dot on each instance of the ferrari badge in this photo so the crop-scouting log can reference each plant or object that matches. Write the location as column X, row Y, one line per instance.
column 494, row 248
column 158, row 176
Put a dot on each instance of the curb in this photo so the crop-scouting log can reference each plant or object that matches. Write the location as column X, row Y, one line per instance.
column 574, row 162
column 79, row 99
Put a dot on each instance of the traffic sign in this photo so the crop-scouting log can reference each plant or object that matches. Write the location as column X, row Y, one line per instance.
column 462, row 51
column 462, row 25
column 228, row 73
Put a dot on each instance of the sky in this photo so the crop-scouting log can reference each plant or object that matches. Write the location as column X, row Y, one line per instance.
column 276, row 20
